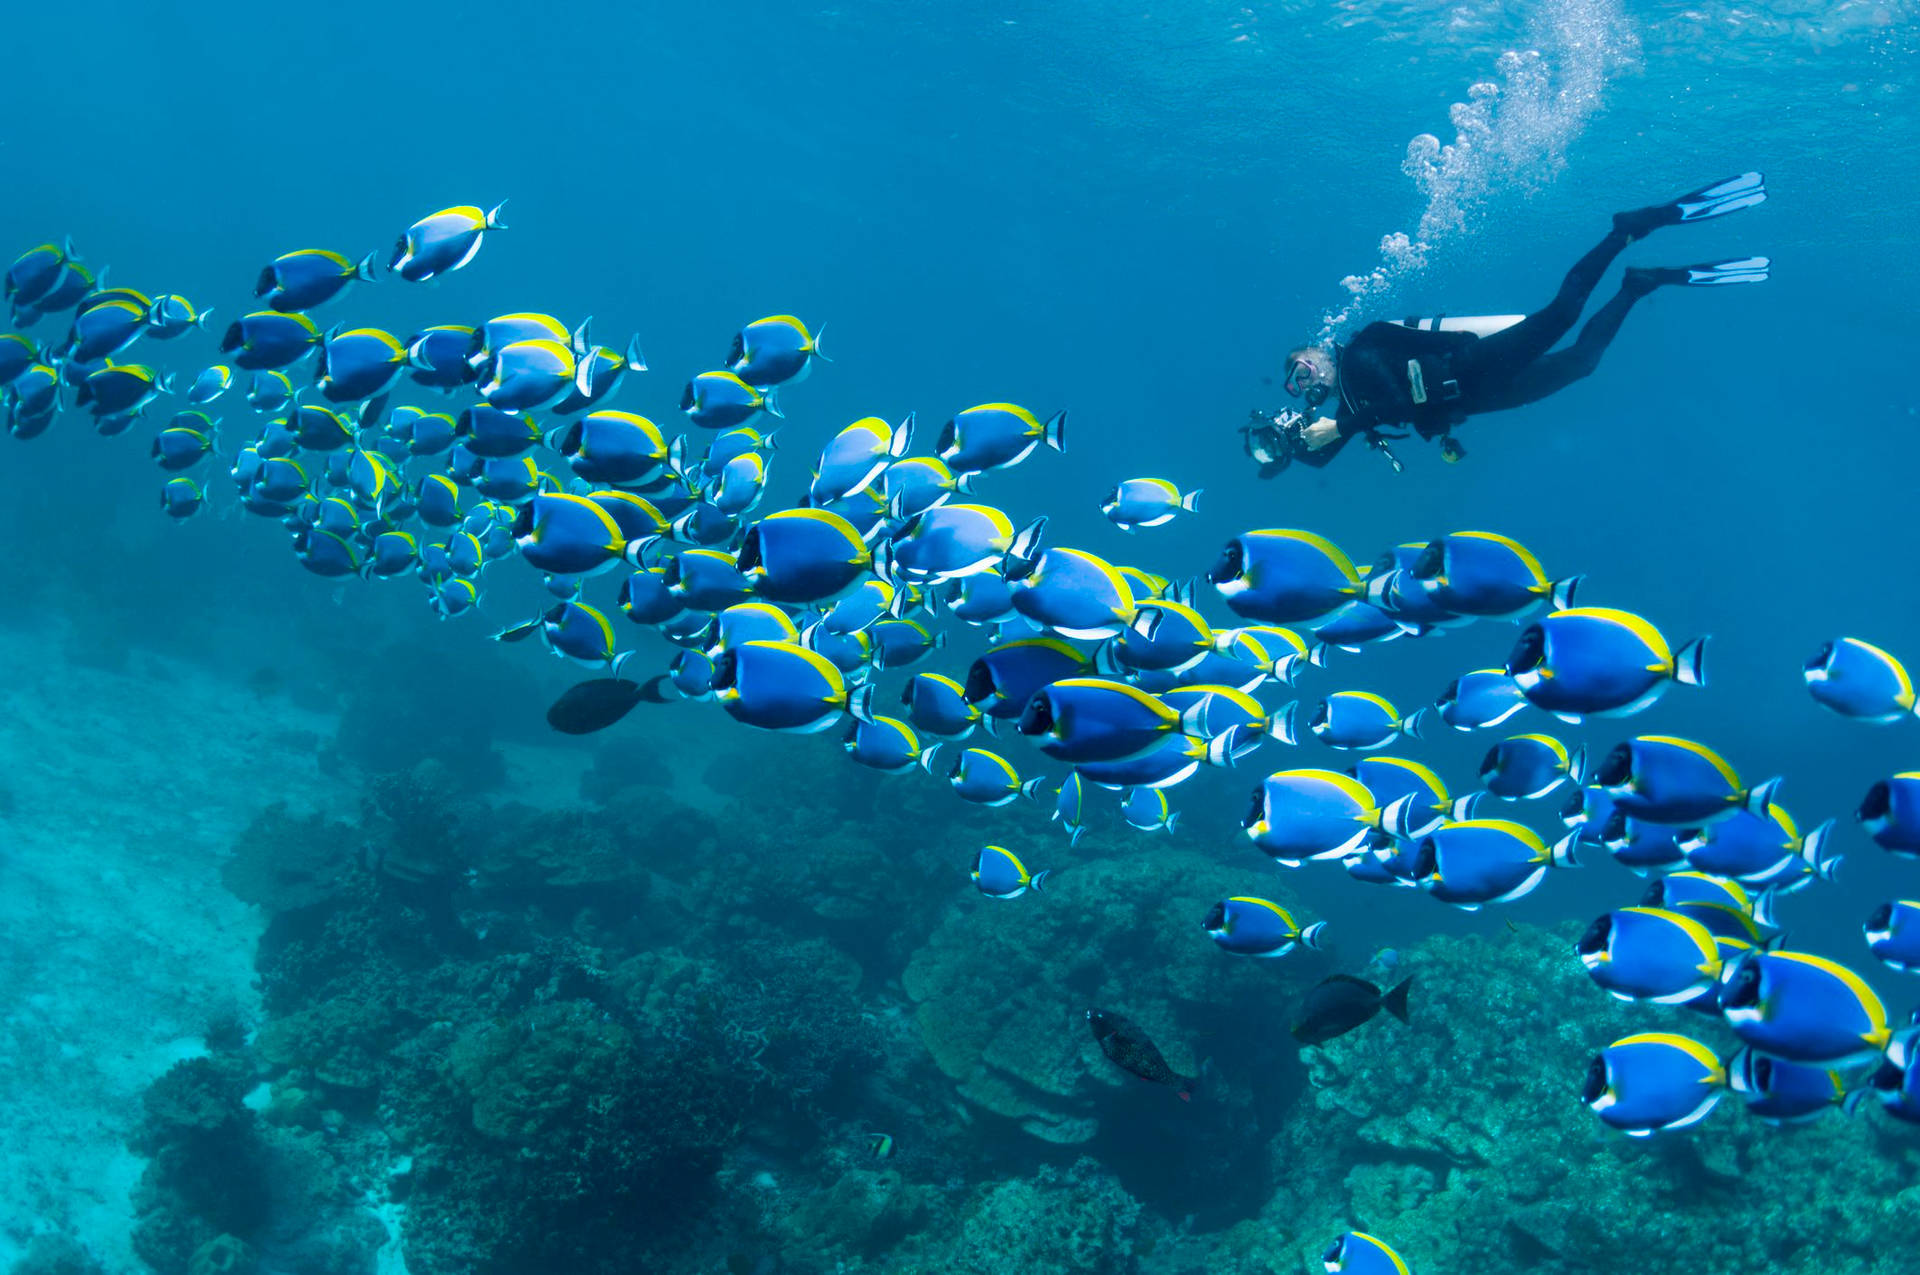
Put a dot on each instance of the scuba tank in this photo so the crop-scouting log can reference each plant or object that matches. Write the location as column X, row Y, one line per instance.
column 1478, row 324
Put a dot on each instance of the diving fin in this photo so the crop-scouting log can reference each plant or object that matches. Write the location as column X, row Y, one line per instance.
column 1717, row 200
column 1707, row 274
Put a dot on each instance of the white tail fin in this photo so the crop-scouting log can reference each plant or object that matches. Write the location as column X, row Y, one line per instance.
column 364, row 270
column 1690, row 663
column 1056, row 431
column 1562, row 591
column 493, row 218
column 1416, row 726
column 1310, row 937
column 926, row 758
column 1281, row 724
column 1566, row 851
column 1576, row 765
column 770, row 404
column 1760, row 796
column 901, row 441
column 1031, row 789
column 1191, row 501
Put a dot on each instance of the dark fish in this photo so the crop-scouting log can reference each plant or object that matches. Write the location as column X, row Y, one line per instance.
column 1128, row 1047
column 1342, row 1002
column 598, row 704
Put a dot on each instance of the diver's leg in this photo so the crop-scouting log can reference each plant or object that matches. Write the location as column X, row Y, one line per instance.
column 1505, row 352
column 1554, row 372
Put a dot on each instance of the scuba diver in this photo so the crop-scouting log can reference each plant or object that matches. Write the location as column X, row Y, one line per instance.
column 1433, row 373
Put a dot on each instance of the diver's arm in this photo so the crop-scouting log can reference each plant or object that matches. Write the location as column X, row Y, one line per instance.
column 1321, row 441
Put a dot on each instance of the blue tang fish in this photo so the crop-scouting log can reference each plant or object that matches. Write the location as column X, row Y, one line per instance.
column 1803, row 1008
column 1859, row 680
column 308, row 277
column 802, row 556
column 1357, row 1253
column 1598, row 662
column 1147, row 502
column 1650, row 954
column 1257, row 927
column 997, row 436
column 1890, row 813
column 984, row 778
column 780, row 686
column 442, row 242
column 1299, row 815
column 1530, row 766
column 999, row 874
column 1074, row 593
column 774, row 350
column 721, row 400
column 1483, row 574
column 1893, row 933
column 1665, row 779
column 1642, row 1085
column 1476, row 861
column 886, row 744
column 1782, row 1093
column 1284, row 577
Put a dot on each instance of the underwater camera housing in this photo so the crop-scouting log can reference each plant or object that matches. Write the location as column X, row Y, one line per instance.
column 1273, row 438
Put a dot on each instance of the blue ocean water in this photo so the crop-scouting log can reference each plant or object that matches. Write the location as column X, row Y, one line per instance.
column 1129, row 213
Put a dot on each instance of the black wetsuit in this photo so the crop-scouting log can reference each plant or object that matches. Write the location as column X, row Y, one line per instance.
column 1394, row 375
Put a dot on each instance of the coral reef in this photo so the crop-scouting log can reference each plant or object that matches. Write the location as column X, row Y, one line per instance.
column 1463, row 1139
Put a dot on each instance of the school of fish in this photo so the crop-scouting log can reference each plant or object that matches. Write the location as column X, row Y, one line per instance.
column 449, row 454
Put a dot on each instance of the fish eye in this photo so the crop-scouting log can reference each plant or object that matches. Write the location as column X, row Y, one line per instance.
column 1491, row 762
column 979, row 682
column 1596, row 1083
column 1431, row 562
column 1615, row 828
column 1426, row 858
column 749, row 556
column 1336, row 1252
column 1037, row 718
column 1258, row 810
column 1818, row 660
column 1575, row 807
column 1744, row 990
column 1882, row 916
column 1227, row 567
column 1877, row 803
column 1595, row 939
column 1616, row 768
column 1451, row 695
column 1529, row 651
column 1216, row 917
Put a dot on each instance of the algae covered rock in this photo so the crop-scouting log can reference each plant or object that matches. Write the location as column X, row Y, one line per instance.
column 1078, row 1222
column 1001, row 989
column 532, row 1075
column 1463, row 1140
column 284, row 861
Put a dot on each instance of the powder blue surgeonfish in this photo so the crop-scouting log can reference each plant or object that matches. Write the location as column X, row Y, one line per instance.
column 1644, row 1084
column 996, row 436
column 1311, row 814
column 1147, row 502
column 1783, row 1093
column 1599, row 662
column 1857, row 679
column 1093, row 719
column 1004, row 678
column 1358, row 720
column 301, row 280
column 856, row 456
column 937, row 706
column 1803, row 1008
column 1483, row 574
column 802, row 555
column 1357, row 1253
column 1893, row 933
column 1249, row 926
column 1074, row 593
column 173, row 315
column 1070, row 806
column 1476, row 861
column 181, row 497
column 721, row 400
column 774, row 350
column 983, row 777
column 1148, row 810
column 1759, row 848
column 951, row 542
column 999, row 874
column 885, row 744
column 443, row 242
column 567, row 535
column 780, row 686
column 1529, row 766
column 1284, row 576
column 267, row 340
column 359, row 364
column 618, row 448
column 1650, row 954
column 1665, row 779
column 1890, row 813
